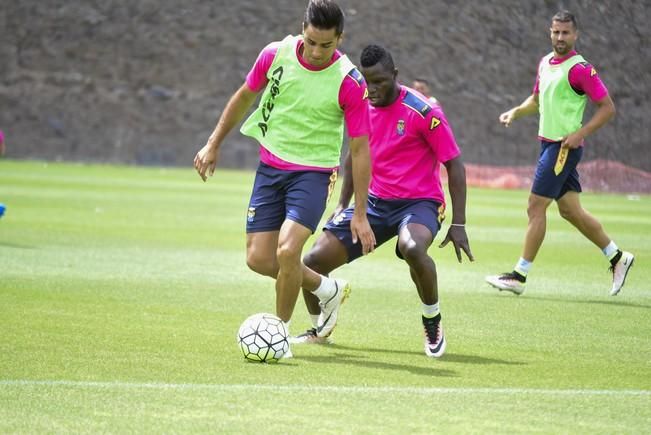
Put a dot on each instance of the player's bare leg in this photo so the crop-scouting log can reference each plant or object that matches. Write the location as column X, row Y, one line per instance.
column 291, row 239
column 569, row 207
column 413, row 242
column 537, row 226
column 327, row 254
column 515, row 281
column 261, row 253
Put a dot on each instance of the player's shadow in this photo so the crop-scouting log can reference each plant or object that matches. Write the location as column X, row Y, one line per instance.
column 15, row 245
column 617, row 302
column 358, row 360
column 447, row 357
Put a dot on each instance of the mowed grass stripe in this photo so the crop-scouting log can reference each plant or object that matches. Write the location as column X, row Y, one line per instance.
column 321, row 388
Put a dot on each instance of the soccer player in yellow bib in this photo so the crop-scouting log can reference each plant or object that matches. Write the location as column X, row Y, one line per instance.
column 564, row 83
column 309, row 91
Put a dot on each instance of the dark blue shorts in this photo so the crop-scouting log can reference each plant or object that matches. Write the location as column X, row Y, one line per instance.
column 278, row 195
column 387, row 217
column 546, row 183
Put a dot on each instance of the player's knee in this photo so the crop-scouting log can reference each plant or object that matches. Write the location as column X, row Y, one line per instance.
column 311, row 259
column 568, row 214
column 287, row 252
column 412, row 251
column 535, row 211
column 261, row 265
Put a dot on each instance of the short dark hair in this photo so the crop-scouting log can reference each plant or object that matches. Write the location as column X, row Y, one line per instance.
column 565, row 16
column 373, row 54
column 324, row 15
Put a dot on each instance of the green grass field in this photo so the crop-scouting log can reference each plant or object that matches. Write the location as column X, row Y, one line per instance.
column 122, row 289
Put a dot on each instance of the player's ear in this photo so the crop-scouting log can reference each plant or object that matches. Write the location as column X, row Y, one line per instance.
column 395, row 73
column 340, row 39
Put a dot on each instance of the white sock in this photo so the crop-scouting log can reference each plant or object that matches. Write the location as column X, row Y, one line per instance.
column 523, row 266
column 325, row 289
column 610, row 250
column 315, row 320
column 430, row 311
column 287, row 326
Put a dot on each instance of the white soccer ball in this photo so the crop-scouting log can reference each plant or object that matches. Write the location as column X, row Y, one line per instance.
column 263, row 338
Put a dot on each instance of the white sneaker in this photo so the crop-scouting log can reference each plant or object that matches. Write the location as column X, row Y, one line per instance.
column 330, row 308
column 507, row 281
column 620, row 270
column 434, row 338
column 309, row 337
column 288, row 354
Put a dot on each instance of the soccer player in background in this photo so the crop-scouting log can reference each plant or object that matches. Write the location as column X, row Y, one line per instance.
column 422, row 86
column 309, row 88
column 410, row 138
column 564, row 83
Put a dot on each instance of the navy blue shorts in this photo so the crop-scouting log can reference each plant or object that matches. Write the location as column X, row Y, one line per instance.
column 387, row 217
column 546, row 183
column 277, row 195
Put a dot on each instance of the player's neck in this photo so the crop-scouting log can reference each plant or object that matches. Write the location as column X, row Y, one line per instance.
column 395, row 94
column 561, row 57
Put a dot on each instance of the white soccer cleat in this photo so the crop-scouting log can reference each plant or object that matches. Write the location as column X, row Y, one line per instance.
column 507, row 281
column 620, row 270
column 434, row 338
column 309, row 337
column 288, row 354
column 330, row 308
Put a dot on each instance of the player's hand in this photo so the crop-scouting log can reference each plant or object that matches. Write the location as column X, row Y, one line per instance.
column 507, row 118
column 206, row 160
column 361, row 231
column 457, row 235
column 572, row 141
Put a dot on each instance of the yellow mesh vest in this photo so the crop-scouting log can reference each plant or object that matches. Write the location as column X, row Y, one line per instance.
column 299, row 118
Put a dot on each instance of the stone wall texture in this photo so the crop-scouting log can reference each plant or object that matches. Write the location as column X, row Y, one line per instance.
column 143, row 82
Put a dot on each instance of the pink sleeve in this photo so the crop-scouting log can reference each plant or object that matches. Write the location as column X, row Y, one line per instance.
column 439, row 136
column 352, row 99
column 584, row 78
column 256, row 79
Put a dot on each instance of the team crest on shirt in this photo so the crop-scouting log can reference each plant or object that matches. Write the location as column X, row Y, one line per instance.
column 400, row 127
column 250, row 214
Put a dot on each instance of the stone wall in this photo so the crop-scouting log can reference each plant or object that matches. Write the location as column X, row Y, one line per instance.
column 144, row 82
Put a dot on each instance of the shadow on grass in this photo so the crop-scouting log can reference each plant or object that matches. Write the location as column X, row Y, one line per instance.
column 358, row 360
column 358, row 356
column 448, row 357
column 612, row 301
column 15, row 245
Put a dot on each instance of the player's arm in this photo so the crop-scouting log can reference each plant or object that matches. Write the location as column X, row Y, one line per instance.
column 457, row 187
column 604, row 113
column 528, row 107
column 361, row 176
column 238, row 105
column 346, row 193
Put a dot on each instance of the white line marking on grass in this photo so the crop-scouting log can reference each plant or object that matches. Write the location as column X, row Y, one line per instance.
column 324, row 388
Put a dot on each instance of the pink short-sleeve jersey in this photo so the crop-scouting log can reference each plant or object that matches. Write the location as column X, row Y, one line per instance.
column 409, row 140
column 583, row 78
column 352, row 100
